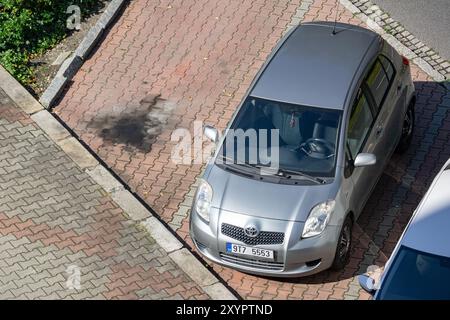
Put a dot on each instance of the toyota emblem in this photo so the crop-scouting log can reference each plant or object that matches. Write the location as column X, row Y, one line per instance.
column 251, row 231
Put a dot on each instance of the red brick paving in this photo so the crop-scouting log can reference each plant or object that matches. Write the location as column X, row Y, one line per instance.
column 201, row 56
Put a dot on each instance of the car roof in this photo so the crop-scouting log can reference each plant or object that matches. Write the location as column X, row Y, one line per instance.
column 313, row 67
column 429, row 229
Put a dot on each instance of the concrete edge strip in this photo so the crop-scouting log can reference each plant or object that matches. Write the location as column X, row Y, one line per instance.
column 200, row 274
column 131, row 206
column 400, row 47
column 72, row 64
column 18, row 93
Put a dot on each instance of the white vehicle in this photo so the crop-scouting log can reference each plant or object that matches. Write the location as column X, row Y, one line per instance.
column 419, row 267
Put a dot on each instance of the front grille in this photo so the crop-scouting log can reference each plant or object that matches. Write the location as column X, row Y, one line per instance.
column 253, row 263
column 264, row 237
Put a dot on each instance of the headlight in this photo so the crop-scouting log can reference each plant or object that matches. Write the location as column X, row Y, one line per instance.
column 318, row 219
column 203, row 200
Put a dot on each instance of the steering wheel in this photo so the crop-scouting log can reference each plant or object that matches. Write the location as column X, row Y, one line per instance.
column 318, row 148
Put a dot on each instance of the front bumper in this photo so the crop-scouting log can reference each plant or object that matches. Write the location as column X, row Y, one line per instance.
column 293, row 257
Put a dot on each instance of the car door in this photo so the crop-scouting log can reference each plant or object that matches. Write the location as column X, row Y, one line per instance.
column 395, row 100
column 361, row 138
column 384, row 96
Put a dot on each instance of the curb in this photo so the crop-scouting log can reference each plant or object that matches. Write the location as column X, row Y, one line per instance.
column 400, row 47
column 132, row 206
column 18, row 93
column 72, row 64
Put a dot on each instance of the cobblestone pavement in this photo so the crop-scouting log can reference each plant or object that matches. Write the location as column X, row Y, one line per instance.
column 148, row 64
column 394, row 28
column 55, row 222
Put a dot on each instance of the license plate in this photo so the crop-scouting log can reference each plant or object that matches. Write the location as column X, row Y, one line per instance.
column 249, row 251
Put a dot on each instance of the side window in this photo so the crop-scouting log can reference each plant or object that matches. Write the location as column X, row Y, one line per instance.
column 360, row 122
column 378, row 83
column 388, row 68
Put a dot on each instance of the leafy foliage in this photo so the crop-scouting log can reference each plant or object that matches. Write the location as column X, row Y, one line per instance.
column 29, row 27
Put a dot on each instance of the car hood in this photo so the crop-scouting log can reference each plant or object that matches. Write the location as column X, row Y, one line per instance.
column 240, row 194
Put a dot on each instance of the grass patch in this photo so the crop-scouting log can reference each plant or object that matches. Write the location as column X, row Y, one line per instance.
column 31, row 27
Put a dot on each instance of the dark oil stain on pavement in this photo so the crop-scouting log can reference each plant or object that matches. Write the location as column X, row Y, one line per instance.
column 136, row 127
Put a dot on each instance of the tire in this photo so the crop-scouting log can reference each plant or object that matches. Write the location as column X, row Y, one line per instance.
column 344, row 245
column 407, row 129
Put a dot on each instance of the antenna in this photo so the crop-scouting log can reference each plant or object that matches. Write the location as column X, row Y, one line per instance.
column 335, row 17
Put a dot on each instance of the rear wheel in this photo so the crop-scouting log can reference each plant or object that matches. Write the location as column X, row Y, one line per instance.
column 407, row 129
column 344, row 245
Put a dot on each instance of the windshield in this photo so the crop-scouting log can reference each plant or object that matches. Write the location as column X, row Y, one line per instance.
column 299, row 138
column 417, row 275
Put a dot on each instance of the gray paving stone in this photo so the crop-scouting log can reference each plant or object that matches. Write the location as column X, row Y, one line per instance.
column 53, row 288
column 146, row 292
column 97, row 282
column 22, row 290
column 7, row 295
column 84, row 294
column 38, row 284
column 95, row 293
column 25, row 272
column 40, row 294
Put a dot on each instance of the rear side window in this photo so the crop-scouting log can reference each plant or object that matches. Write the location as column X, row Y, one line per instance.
column 388, row 67
column 379, row 80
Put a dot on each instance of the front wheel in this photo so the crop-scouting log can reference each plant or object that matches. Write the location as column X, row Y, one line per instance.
column 407, row 129
column 344, row 245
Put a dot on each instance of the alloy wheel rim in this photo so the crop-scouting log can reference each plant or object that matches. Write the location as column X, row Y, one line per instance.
column 407, row 124
column 344, row 242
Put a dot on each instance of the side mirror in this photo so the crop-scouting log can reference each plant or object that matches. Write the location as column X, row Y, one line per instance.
column 367, row 283
column 211, row 133
column 365, row 159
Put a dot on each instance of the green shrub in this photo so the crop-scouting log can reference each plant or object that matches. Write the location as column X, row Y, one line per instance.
column 29, row 27
column 17, row 63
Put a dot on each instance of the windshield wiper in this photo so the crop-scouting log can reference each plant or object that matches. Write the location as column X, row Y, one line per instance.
column 286, row 172
column 266, row 168
column 279, row 172
column 230, row 161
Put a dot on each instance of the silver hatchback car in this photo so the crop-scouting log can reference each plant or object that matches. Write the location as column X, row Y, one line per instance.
column 419, row 267
column 337, row 101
